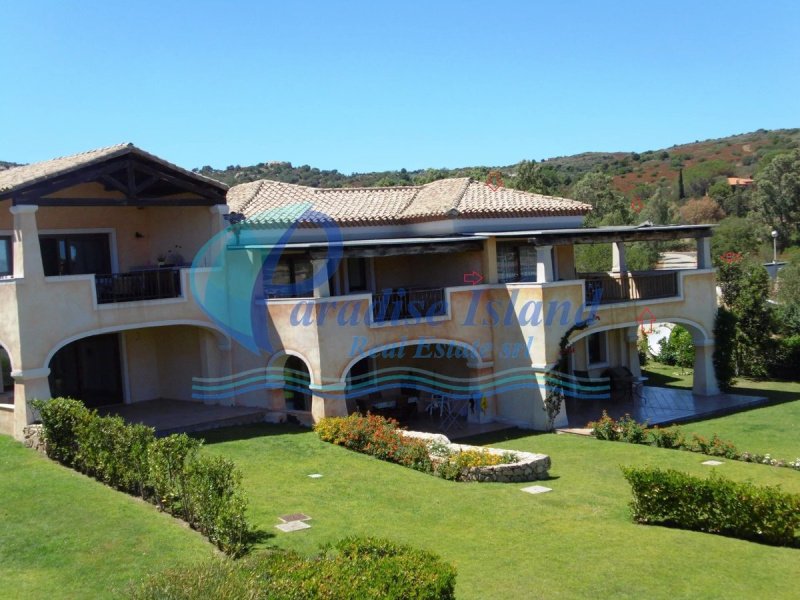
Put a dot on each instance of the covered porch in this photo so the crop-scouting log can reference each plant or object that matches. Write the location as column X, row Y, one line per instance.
column 180, row 416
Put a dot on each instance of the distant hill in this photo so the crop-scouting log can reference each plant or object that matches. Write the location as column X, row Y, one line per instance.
column 701, row 161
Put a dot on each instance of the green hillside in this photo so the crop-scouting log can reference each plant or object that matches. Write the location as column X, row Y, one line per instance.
column 702, row 161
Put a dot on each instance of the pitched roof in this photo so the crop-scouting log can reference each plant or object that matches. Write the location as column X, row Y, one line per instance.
column 17, row 178
column 261, row 202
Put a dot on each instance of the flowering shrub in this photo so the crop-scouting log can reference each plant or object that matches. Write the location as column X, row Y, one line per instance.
column 376, row 436
column 627, row 430
column 381, row 438
column 671, row 437
column 605, row 428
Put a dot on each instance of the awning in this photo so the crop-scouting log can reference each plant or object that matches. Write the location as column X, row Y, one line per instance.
column 380, row 247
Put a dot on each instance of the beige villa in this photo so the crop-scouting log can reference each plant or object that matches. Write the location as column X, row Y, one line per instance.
column 124, row 279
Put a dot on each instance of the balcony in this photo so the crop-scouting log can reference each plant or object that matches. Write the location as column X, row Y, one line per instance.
column 411, row 303
column 151, row 284
column 624, row 287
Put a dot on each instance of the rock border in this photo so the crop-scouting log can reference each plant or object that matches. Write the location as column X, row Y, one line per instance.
column 529, row 466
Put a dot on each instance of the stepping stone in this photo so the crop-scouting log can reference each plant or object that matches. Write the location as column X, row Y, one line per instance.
column 293, row 526
column 315, row 475
column 295, row 517
column 711, row 463
column 536, row 489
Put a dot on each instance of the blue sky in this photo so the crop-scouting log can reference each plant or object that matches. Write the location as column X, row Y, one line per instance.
column 362, row 86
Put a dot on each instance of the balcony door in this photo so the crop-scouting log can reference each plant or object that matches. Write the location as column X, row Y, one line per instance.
column 75, row 253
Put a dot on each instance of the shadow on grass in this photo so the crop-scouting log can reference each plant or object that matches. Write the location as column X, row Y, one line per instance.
column 659, row 379
column 494, row 437
column 247, row 432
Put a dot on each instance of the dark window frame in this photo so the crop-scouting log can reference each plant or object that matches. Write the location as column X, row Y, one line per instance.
column 520, row 272
column 5, row 240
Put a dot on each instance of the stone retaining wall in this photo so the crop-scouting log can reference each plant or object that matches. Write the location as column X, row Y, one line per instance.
column 529, row 466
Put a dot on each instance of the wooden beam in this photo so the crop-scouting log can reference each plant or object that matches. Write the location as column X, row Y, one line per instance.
column 65, row 202
column 400, row 249
column 643, row 235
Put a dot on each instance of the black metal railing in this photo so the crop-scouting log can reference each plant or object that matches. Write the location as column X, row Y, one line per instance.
column 153, row 284
column 402, row 304
column 622, row 287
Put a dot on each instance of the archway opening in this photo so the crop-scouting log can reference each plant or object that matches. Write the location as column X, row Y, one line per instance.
column 426, row 386
column 6, row 382
column 296, row 381
column 89, row 369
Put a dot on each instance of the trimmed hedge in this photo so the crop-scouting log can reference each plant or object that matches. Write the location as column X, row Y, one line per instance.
column 169, row 472
column 714, row 505
column 354, row 568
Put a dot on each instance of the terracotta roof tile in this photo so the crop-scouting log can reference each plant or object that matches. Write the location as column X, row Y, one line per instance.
column 19, row 177
column 446, row 198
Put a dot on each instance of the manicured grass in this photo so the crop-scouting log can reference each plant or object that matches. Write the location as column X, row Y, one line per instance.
column 773, row 429
column 577, row 541
column 63, row 535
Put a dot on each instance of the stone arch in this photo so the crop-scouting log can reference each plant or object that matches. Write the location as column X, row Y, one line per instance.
column 475, row 359
column 288, row 397
column 223, row 339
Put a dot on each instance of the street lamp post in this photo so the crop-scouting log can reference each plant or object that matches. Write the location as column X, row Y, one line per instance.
column 774, row 246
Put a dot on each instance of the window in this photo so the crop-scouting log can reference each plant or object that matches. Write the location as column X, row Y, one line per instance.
column 516, row 263
column 597, row 346
column 291, row 278
column 357, row 275
column 75, row 254
column 6, row 260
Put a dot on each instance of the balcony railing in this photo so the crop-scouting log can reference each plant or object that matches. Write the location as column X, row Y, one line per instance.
column 154, row 284
column 400, row 304
column 622, row 287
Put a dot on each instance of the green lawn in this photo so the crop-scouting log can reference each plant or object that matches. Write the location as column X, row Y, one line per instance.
column 63, row 535
column 574, row 542
column 774, row 429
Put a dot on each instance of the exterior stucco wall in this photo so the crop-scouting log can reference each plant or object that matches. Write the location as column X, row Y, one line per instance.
column 425, row 271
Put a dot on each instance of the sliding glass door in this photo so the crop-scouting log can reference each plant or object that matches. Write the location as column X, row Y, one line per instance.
column 75, row 253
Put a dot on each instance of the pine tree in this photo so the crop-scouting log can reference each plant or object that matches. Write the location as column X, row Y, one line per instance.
column 681, row 190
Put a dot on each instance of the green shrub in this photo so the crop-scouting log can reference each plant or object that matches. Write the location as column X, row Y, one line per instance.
column 714, row 505
column 61, row 419
column 632, row 432
column 725, row 340
column 353, row 568
column 213, row 491
column 171, row 472
column 669, row 437
column 115, row 453
column 605, row 428
column 677, row 349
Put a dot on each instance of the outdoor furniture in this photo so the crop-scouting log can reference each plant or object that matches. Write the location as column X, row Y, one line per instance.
column 438, row 402
column 622, row 381
column 456, row 408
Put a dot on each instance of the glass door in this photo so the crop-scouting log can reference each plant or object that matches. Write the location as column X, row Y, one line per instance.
column 75, row 254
